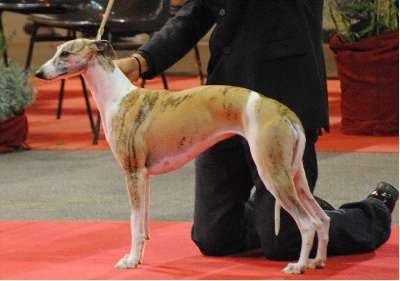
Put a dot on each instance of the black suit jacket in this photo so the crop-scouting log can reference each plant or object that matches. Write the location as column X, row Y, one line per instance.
column 273, row 47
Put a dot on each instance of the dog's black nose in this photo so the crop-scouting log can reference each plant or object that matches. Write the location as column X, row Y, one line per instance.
column 39, row 74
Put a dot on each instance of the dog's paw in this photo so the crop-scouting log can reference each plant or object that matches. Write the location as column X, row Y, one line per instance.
column 294, row 268
column 316, row 263
column 128, row 262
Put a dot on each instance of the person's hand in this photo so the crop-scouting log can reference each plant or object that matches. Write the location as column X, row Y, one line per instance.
column 130, row 66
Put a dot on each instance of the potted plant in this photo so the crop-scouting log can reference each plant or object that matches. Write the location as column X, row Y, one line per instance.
column 16, row 93
column 366, row 51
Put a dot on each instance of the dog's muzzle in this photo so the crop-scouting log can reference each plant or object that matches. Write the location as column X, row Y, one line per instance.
column 40, row 74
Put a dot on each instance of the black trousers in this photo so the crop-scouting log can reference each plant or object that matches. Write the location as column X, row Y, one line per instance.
column 225, row 223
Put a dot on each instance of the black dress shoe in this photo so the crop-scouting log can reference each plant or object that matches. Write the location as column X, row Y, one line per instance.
column 386, row 193
column 324, row 205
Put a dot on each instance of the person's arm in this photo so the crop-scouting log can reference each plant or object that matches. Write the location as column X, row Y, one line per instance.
column 172, row 42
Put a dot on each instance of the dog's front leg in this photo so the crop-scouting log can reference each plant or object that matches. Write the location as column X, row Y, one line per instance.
column 137, row 182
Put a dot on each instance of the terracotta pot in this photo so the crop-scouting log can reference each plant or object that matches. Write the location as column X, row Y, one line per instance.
column 369, row 74
column 13, row 133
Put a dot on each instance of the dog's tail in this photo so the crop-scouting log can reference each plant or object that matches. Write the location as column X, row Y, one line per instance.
column 277, row 217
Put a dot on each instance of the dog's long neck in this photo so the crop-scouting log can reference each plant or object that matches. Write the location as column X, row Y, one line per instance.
column 108, row 86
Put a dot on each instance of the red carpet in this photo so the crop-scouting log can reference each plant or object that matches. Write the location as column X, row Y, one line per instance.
column 72, row 131
column 89, row 250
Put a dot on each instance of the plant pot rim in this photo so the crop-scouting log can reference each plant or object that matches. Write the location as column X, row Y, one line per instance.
column 14, row 115
column 365, row 44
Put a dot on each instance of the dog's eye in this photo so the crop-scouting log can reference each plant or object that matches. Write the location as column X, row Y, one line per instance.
column 64, row 54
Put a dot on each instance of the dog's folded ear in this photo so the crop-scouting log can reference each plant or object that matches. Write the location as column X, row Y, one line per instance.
column 105, row 48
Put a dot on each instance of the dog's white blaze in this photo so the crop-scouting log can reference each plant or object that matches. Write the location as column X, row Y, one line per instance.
column 251, row 115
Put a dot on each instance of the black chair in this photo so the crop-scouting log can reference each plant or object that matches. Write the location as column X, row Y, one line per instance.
column 127, row 18
column 46, row 7
column 36, row 6
column 71, row 34
column 130, row 18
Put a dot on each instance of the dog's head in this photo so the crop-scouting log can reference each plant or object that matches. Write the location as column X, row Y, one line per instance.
column 74, row 56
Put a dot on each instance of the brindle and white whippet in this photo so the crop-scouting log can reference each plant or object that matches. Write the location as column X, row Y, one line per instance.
column 157, row 131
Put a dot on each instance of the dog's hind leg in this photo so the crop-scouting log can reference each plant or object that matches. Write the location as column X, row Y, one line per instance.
column 273, row 153
column 308, row 200
column 323, row 221
column 285, row 193
column 137, row 184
